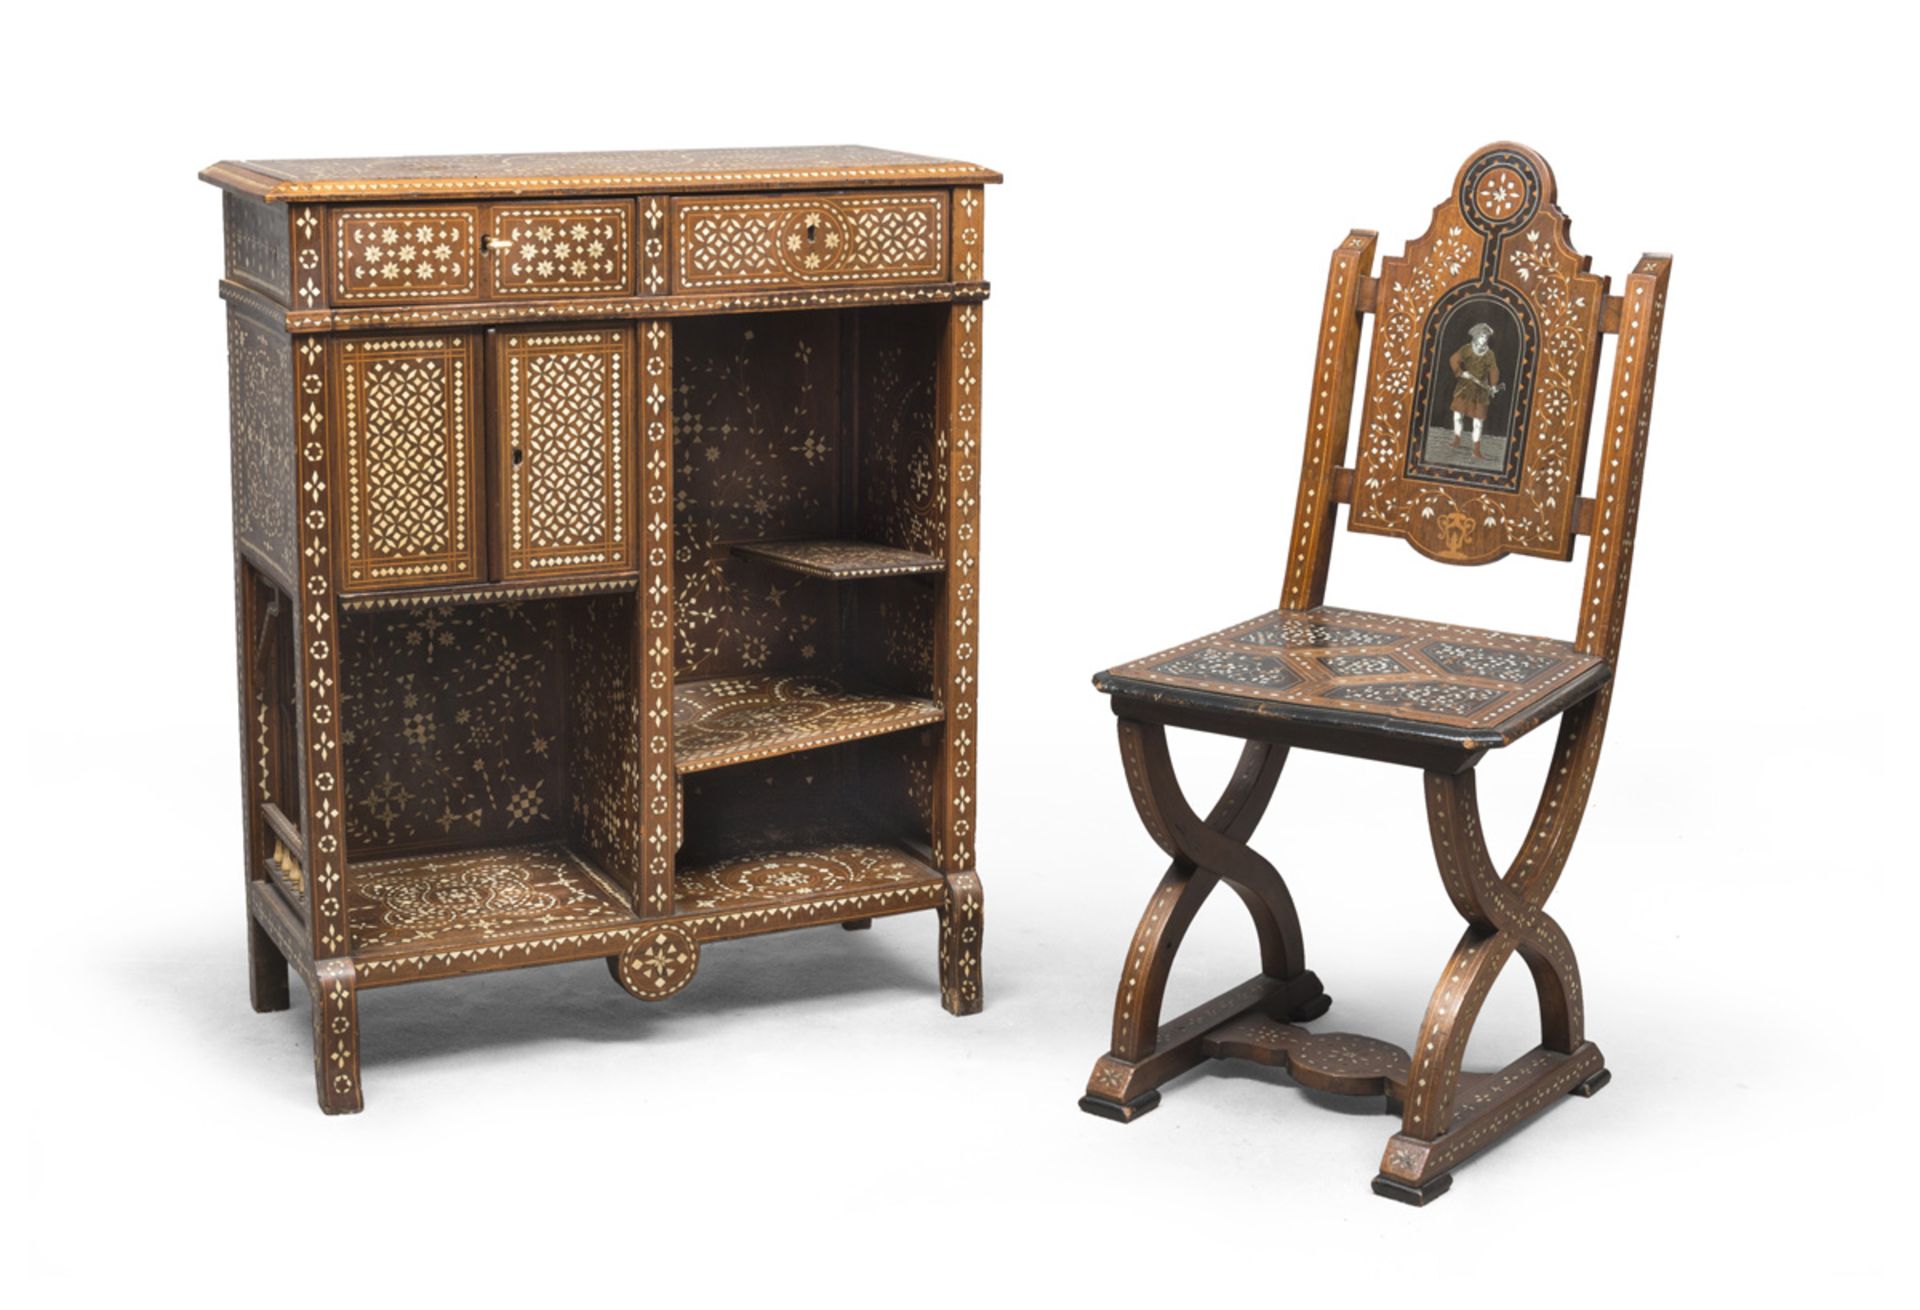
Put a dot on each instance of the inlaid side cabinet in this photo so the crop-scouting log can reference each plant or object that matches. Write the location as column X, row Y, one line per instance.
column 606, row 539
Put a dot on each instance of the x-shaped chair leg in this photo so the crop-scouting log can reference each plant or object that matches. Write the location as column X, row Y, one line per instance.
column 1446, row 1116
column 1440, row 1125
column 1205, row 852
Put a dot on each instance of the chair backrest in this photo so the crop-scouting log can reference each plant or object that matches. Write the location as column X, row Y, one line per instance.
column 1479, row 394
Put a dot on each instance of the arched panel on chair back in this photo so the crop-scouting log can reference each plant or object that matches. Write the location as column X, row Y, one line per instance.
column 1478, row 397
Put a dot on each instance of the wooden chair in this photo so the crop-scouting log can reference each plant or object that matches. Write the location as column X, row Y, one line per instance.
column 1473, row 437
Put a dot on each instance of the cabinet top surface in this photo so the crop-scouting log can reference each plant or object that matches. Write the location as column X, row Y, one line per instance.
column 588, row 173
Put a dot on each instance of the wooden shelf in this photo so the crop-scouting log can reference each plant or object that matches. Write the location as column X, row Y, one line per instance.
column 721, row 721
column 474, row 902
column 778, row 889
column 840, row 560
column 481, row 593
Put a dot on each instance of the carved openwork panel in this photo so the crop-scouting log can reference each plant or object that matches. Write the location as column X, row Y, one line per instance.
column 560, row 249
column 1481, row 383
column 403, row 255
column 410, row 501
column 787, row 241
column 566, row 452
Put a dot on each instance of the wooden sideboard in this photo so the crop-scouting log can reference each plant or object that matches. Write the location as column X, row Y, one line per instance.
column 606, row 538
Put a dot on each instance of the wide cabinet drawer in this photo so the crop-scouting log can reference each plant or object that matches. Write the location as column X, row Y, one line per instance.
column 475, row 456
column 757, row 242
column 431, row 254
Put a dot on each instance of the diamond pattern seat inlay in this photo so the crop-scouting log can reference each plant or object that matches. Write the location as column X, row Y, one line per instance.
column 1335, row 668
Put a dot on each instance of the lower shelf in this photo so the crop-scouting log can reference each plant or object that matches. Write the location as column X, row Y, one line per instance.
column 470, row 900
column 771, row 890
column 505, row 907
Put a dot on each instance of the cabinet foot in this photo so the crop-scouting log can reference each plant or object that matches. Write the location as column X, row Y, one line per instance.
column 961, row 929
column 266, row 971
column 336, row 1037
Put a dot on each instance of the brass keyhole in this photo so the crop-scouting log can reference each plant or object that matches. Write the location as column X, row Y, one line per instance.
column 812, row 231
column 516, row 456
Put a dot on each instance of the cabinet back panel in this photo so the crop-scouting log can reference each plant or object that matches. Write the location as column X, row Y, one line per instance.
column 759, row 442
column 453, row 726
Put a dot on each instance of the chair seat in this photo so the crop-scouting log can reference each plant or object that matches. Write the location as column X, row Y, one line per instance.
column 1342, row 672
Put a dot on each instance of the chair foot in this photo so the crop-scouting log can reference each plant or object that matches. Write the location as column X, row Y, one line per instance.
column 1121, row 1112
column 1592, row 1086
column 1411, row 1193
column 1306, row 998
column 857, row 925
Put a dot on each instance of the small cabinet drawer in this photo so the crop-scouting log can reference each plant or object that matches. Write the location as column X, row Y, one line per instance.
column 564, row 452
column 560, row 249
column 409, row 490
column 404, row 255
column 739, row 242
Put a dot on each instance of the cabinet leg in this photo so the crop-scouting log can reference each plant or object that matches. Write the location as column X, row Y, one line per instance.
column 961, row 929
column 336, row 1037
column 857, row 925
column 266, row 970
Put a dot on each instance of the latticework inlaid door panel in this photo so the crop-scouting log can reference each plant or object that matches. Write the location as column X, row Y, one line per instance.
column 565, row 453
column 410, row 499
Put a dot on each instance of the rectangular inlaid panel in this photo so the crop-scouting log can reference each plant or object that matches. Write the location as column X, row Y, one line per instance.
column 409, row 429
column 1337, row 666
column 560, row 249
column 402, row 255
column 261, row 412
column 565, row 455
column 738, row 242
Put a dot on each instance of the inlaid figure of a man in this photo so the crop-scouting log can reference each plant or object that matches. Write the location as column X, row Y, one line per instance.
column 1476, row 381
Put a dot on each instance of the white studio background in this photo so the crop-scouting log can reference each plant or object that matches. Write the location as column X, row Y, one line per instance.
column 805, row 1122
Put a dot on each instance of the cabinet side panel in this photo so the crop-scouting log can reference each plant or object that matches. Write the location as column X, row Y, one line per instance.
column 260, row 393
column 602, row 748
column 258, row 246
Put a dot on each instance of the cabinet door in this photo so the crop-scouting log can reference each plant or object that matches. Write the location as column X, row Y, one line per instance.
column 410, row 435
column 564, row 452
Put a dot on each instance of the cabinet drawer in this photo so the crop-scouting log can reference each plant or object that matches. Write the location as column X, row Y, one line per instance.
column 564, row 452
column 560, row 249
column 403, row 255
column 732, row 242
column 409, row 508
